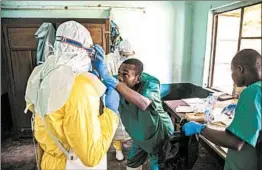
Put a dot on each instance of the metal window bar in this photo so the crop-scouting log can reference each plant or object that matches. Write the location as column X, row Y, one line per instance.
column 251, row 38
column 214, row 42
column 240, row 28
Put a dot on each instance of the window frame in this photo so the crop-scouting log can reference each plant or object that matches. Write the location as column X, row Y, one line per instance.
column 210, row 78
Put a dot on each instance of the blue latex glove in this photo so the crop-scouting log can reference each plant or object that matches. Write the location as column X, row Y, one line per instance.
column 112, row 99
column 229, row 110
column 101, row 67
column 192, row 128
column 97, row 53
column 110, row 81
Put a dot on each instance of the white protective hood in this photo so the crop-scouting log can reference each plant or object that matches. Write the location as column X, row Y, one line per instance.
column 50, row 84
column 123, row 51
column 125, row 48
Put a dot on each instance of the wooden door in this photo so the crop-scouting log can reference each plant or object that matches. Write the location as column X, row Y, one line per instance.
column 20, row 47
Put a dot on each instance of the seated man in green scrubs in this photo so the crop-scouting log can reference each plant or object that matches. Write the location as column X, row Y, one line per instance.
column 241, row 136
column 140, row 110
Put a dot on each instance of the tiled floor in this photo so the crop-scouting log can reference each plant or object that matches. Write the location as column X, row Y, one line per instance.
column 19, row 155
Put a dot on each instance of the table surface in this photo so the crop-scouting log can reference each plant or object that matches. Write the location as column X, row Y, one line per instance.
column 171, row 107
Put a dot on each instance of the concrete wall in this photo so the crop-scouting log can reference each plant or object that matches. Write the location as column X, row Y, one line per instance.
column 199, row 33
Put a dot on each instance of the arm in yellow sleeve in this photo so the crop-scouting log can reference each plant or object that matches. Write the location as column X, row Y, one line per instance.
column 88, row 134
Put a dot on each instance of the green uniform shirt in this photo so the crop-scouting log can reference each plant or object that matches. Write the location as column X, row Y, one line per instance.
column 246, row 125
column 149, row 128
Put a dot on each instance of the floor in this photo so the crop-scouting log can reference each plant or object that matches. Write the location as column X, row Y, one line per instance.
column 19, row 155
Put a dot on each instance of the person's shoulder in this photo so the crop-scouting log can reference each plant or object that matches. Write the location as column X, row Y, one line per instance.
column 253, row 88
column 256, row 85
column 147, row 78
column 251, row 93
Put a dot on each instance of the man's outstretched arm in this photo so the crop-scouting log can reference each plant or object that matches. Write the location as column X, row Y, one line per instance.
column 132, row 96
column 221, row 138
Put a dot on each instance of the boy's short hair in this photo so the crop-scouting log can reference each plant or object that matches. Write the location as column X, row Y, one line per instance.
column 249, row 59
column 137, row 63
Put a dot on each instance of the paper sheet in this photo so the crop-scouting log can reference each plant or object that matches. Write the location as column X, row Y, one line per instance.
column 184, row 109
column 190, row 101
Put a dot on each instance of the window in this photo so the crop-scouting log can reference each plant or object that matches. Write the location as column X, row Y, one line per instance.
column 232, row 31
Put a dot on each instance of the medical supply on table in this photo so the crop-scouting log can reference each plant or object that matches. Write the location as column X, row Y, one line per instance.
column 210, row 102
column 229, row 110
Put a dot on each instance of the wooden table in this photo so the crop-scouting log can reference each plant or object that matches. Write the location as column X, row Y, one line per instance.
column 170, row 106
column 214, row 150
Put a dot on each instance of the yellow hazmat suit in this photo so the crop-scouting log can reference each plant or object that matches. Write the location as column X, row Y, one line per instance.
column 68, row 101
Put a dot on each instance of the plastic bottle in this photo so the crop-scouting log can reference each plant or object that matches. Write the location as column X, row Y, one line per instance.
column 210, row 102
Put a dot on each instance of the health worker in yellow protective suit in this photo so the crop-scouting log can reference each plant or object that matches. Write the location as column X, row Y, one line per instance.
column 65, row 100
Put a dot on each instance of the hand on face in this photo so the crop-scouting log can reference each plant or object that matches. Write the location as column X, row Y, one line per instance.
column 127, row 74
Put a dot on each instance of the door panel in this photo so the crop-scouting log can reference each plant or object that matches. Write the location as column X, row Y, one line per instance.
column 22, row 66
column 22, row 38
column 22, row 63
column 20, row 45
column 97, row 32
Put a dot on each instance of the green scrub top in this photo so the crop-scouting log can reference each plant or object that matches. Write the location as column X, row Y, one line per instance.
column 149, row 128
column 246, row 125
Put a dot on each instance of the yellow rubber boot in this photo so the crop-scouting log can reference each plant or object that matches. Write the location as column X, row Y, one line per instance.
column 118, row 145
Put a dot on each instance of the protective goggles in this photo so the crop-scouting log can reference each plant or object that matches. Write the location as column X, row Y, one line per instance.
column 91, row 51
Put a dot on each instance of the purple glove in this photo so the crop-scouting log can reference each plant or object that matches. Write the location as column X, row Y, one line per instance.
column 101, row 67
column 192, row 128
